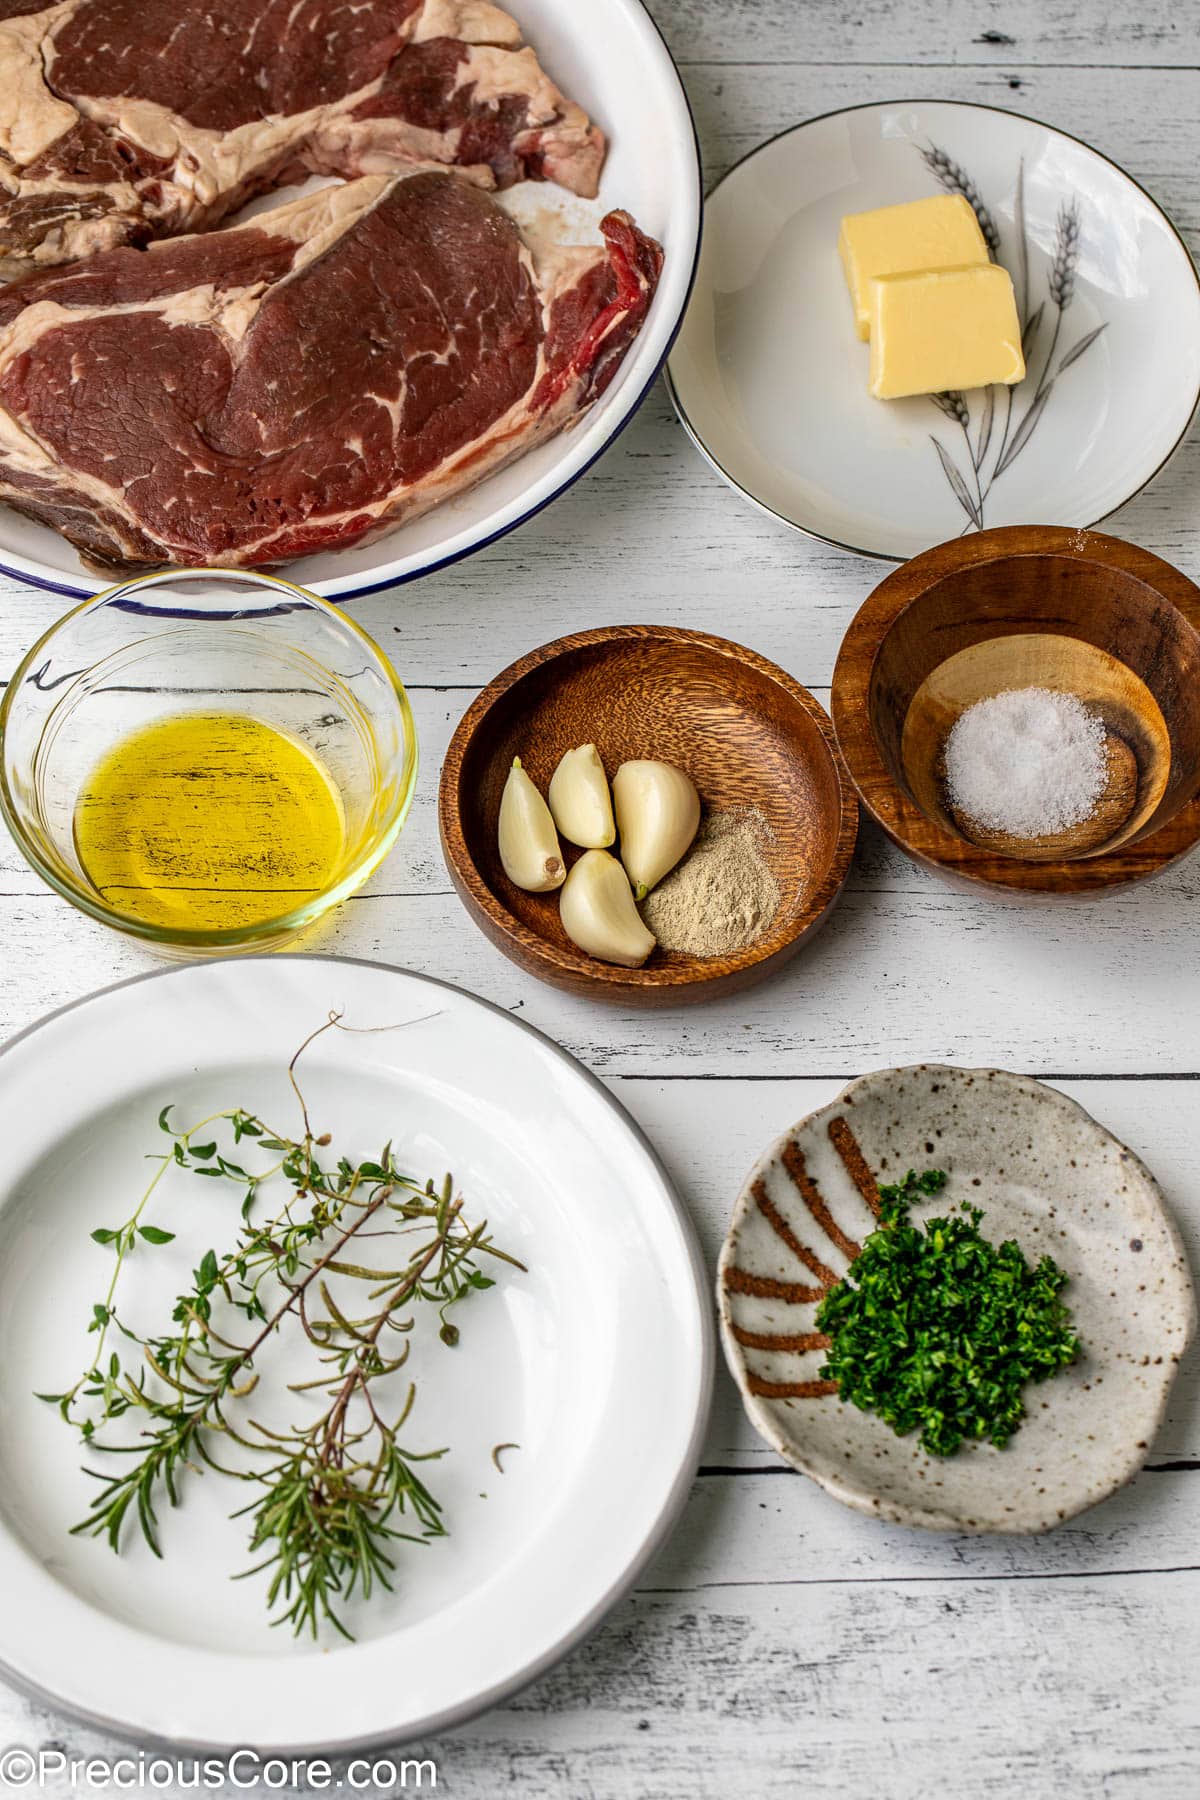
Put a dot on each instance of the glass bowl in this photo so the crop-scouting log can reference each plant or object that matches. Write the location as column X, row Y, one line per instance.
column 206, row 642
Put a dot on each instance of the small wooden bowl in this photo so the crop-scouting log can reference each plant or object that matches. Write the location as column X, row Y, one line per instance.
column 746, row 733
column 1028, row 606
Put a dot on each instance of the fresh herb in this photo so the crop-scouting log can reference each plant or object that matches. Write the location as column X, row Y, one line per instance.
column 336, row 1491
column 936, row 1329
column 895, row 1201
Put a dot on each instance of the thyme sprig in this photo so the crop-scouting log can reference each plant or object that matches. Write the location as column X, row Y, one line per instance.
column 337, row 1492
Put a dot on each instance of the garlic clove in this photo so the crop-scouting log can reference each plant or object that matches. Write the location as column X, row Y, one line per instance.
column 658, row 815
column 580, row 800
column 598, row 912
column 529, row 846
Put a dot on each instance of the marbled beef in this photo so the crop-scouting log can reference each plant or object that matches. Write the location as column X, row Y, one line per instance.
column 303, row 381
column 122, row 121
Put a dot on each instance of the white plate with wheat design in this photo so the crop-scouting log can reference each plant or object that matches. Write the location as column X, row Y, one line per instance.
column 770, row 379
column 1044, row 1172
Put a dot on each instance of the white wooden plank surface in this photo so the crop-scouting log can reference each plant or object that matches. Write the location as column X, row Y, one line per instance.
column 905, row 969
column 957, row 32
column 779, row 1638
column 781, row 1643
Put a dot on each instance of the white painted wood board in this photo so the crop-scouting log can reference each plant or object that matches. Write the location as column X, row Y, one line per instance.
column 781, row 1644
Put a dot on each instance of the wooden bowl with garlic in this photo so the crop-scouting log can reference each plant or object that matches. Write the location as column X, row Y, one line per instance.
column 646, row 815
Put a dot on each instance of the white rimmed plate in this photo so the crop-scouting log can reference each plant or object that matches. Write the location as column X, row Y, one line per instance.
column 597, row 1363
column 770, row 379
column 1044, row 1172
column 610, row 57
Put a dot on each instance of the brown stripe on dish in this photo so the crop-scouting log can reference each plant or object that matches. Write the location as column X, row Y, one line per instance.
column 783, row 1230
column 846, row 1145
column 765, row 1287
column 789, row 1390
column 795, row 1342
column 810, row 1193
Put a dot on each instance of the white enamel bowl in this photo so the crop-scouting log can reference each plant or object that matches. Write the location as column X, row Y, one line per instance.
column 609, row 56
column 595, row 1365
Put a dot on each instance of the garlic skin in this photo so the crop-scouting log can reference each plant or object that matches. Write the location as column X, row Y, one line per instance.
column 529, row 846
column 580, row 800
column 598, row 912
column 658, row 815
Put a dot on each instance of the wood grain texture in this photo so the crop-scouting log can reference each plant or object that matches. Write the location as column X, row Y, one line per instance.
column 744, row 732
column 1078, row 611
column 1042, row 31
column 774, row 1615
column 773, row 1604
column 780, row 1645
column 905, row 970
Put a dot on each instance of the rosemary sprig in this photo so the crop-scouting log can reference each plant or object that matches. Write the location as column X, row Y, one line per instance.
column 337, row 1490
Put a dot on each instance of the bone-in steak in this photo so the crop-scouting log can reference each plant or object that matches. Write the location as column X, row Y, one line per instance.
column 127, row 120
column 303, row 381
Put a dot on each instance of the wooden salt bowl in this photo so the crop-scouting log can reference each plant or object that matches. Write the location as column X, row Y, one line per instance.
column 1028, row 606
column 746, row 733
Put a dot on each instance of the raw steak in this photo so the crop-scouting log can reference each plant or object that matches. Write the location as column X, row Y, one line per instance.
column 127, row 120
column 303, row 381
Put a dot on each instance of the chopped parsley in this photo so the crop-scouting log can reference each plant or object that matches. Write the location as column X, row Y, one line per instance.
column 937, row 1330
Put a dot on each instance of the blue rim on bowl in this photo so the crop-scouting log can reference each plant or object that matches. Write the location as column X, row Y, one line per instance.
column 624, row 408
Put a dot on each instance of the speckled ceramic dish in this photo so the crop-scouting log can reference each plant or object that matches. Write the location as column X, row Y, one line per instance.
column 1045, row 1173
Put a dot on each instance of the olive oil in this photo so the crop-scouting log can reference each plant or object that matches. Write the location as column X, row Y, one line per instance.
column 209, row 822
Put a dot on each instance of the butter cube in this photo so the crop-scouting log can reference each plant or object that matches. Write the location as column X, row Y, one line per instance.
column 943, row 329
column 941, row 232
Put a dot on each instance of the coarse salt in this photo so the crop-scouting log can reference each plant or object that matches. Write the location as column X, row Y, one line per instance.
column 1029, row 762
